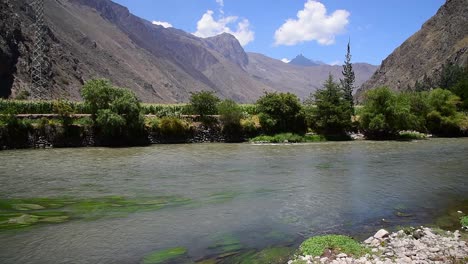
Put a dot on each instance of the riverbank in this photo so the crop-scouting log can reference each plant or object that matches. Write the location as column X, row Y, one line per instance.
column 422, row 245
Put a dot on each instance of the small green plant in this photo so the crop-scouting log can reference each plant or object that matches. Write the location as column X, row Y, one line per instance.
column 411, row 135
column 65, row 110
column 316, row 246
column 230, row 116
column 464, row 221
column 173, row 127
column 287, row 138
column 152, row 123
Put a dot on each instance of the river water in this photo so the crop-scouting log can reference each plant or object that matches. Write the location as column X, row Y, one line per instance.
column 261, row 195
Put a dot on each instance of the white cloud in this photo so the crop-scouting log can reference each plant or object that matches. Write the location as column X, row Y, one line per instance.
column 285, row 60
column 220, row 3
column 162, row 23
column 208, row 26
column 312, row 23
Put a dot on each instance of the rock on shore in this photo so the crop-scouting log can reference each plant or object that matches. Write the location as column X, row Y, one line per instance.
column 418, row 246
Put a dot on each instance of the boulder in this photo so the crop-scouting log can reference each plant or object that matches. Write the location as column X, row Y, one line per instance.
column 381, row 234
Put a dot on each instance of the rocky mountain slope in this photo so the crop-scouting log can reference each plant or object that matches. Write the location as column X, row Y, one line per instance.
column 98, row 38
column 301, row 60
column 300, row 80
column 442, row 39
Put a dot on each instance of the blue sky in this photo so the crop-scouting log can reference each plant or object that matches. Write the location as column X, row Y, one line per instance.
column 285, row 28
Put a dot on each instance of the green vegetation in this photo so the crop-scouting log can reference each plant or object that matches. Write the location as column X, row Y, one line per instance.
column 281, row 112
column 116, row 112
column 347, row 83
column 174, row 128
column 272, row 255
column 288, row 138
column 317, row 245
column 116, row 115
column 230, row 116
column 411, row 135
column 384, row 114
column 164, row 255
column 464, row 220
column 203, row 103
column 331, row 114
column 23, row 213
column 226, row 243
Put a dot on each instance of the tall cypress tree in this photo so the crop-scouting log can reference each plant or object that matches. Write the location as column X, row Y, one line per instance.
column 347, row 83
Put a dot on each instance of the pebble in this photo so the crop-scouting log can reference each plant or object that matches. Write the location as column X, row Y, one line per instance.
column 426, row 247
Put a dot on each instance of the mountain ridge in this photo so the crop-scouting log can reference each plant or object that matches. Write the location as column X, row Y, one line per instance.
column 101, row 39
column 442, row 39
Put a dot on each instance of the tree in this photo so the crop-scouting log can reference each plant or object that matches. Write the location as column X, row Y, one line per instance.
column 385, row 114
column 116, row 112
column 280, row 112
column 204, row 103
column 230, row 116
column 347, row 83
column 443, row 119
column 332, row 114
column 450, row 75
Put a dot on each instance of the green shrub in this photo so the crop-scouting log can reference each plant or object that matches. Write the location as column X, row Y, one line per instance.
column 288, row 138
column 116, row 112
column 230, row 116
column 443, row 119
column 315, row 246
column 16, row 131
column 384, row 114
column 174, row 128
column 152, row 124
column 204, row 103
column 281, row 112
column 464, row 221
column 332, row 112
column 411, row 135
column 64, row 109
column 250, row 126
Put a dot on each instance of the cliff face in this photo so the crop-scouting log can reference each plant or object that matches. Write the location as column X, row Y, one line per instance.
column 88, row 39
column 442, row 39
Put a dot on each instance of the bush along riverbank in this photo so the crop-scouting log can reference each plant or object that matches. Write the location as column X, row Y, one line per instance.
column 112, row 116
column 411, row 245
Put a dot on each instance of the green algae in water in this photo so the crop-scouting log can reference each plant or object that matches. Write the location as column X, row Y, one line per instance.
column 227, row 244
column 223, row 196
column 22, row 213
column 272, row 255
column 164, row 255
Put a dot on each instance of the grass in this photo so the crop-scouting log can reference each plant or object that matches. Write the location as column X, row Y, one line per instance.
column 464, row 220
column 164, row 255
column 288, row 138
column 317, row 245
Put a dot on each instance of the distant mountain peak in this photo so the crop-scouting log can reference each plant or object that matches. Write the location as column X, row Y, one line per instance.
column 301, row 60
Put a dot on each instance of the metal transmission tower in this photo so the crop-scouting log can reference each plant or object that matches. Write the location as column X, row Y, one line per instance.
column 38, row 60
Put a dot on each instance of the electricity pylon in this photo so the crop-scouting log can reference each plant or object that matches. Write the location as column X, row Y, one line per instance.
column 38, row 60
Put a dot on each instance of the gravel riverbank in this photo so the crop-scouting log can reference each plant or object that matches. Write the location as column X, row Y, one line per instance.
column 418, row 246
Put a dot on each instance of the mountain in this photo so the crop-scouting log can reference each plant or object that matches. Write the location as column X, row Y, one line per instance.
column 442, row 39
column 300, row 80
column 300, row 60
column 88, row 39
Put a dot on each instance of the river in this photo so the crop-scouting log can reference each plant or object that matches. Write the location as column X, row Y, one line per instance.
column 256, row 195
